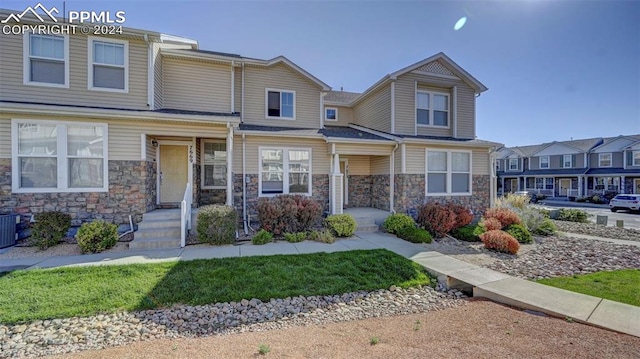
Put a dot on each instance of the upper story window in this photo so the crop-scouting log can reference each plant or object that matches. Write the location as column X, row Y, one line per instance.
column 432, row 109
column 448, row 172
column 513, row 164
column 280, row 104
column 604, row 160
column 108, row 65
column 636, row 158
column 285, row 170
column 331, row 114
column 46, row 60
column 567, row 161
column 214, row 164
column 544, row 162
column 54, row 156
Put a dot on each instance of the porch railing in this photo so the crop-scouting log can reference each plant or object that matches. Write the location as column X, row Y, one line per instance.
column 185, row 215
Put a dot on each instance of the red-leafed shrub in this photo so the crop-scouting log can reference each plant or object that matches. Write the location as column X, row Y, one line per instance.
column 463, row 215
column 436, row 218
column 287, row 213
column 491, row 224
column 500, row 241
column 504, row 215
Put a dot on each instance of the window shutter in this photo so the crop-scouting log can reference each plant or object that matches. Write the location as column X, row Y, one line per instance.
column 573, row 161
column 629, row 158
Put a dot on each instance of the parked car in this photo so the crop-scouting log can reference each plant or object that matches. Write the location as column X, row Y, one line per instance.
column 630, row 202
column 533, row 197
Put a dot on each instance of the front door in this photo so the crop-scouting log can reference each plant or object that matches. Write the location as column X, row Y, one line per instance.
column 514, row 185
column 636, row 186
column 565, row 185
column 345, row 184
column 174, row 171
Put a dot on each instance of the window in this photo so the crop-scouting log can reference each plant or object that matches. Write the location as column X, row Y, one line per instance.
column 59, row 157
column 513, row 164
column 544, row 162
column 432, row 109
column 46, row 60
column 285, row 170
column 604, row 159
column 636, row 158
column 331, row 114
column 108, row 65
column 567, row 161
column 448, row 172
column 214, row 164
column 544, row 183
column 280, row 104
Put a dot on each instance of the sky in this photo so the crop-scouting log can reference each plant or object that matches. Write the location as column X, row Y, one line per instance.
column 555, row 70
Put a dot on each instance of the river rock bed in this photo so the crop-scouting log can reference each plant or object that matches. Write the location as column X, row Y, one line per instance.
column 598, row 230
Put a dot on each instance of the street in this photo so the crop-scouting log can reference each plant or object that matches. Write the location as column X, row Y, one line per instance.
column 631, row 220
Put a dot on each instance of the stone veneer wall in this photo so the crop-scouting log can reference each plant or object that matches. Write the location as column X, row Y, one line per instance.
column 132, row 191
column 380, row 192
column 409, row 193
column 359, row 191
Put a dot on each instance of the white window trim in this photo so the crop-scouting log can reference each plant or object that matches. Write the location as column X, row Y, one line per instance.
column 540, row 162
column 635, row 156
column 449, row 172
column 202, row 163
column 570, row 161
column 61, row 157
column 325, row 114
column 431, row 110
column 90, row 40
column 285, row 166
column 601, row 155
column 509, row 164
column 26, row 63
column 266, row 104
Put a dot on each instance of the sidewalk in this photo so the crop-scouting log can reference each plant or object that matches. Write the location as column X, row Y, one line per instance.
column 454, row 273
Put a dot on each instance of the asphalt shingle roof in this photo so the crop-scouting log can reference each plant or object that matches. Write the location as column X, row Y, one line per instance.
column 554, row 172
column 341, row 96
column 604, row 171
column 348, row 132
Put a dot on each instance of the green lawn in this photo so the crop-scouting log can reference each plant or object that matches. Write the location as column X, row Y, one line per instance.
column 81, row 291
column 620, row 286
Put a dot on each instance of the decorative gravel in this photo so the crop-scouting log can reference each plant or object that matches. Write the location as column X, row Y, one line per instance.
column 61, row 336
column 596, row 230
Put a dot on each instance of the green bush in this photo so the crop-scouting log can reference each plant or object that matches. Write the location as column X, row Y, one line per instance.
column 97, row 236
column 467, row 233
column 324, row 236
column 217, row 224
column 295, row 237
column 262, row 237
column 341, row 225
column 519, row 232
column 572, row 215
column 546, row 228
column 49, row 229
column 415, row 235
column 397, row 222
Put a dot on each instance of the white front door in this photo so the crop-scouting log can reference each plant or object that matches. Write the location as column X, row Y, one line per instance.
column 514, row 185
column 636, row 186
column 174, row 172
column 565, row 186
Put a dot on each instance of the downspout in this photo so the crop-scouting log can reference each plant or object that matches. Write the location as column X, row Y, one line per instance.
column 392, row 181
column 492, row 177
column 150, row 73
column 245, row 223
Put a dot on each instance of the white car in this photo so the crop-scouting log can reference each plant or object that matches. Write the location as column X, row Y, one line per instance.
column 629, row 202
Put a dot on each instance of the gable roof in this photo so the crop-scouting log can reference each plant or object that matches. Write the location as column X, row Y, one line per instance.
column 340, row 97
column 608, row 143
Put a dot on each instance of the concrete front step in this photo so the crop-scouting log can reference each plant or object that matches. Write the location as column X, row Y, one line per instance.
column 161, row 214
column 367, row 227
column 155, row 243
column 159, row 223
column 157, row 232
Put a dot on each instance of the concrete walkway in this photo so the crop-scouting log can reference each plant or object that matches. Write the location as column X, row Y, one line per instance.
column 454, row 273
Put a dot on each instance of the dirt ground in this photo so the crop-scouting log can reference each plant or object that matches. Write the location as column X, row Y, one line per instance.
column 479, row 329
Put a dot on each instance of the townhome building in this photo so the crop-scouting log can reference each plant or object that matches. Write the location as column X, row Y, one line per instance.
column 112, row 126
column 571, row 169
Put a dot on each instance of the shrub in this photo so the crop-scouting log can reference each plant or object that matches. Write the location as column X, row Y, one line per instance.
column 324, row 236
column 397, row 222
column 546, row 228
column 262, row 237
column 531, row 218
column 288, row 213
column 500, row 241
column 341, row 225
column 295, row 237
column 490, row 224
column 504, row 215
column 97, row 236
column 49, row 229
column 463, row 215
column 436, row 218
column 511, row 200
column 466, row 233
column 572, row 215
column 217, row 224
column 519, row 232
column 415, row 235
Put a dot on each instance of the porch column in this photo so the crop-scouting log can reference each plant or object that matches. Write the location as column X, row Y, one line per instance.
column 230, row 166
column 392, row 164
column 622, row 185
column 335, row 179
column 502, row 186
column 579, row 186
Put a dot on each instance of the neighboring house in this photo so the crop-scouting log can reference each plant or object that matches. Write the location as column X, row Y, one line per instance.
column 573, row 168
column 112, row 126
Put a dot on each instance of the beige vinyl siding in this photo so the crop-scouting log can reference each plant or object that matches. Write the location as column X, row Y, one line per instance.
column 416, row 159
column 157, row 80
column 480, row 162
column 398, row 161
column 13, row 89
column 363, row 149
column 151, row 151
column 375, row 110
column 405, row 105
column 379, row 165
column 345, row 116
column 280, row 77
column 238, row 89
column 195, row 85
column 358, row 165
column 320, row 159
column 5, row 138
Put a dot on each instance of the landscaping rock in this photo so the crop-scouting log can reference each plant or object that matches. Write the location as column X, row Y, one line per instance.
column 596, row 230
